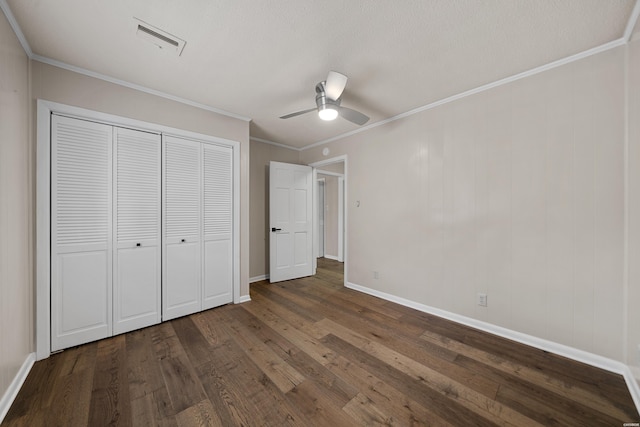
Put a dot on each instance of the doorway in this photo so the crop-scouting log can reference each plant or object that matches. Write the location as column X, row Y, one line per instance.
column 322, row 208
column 333, row 240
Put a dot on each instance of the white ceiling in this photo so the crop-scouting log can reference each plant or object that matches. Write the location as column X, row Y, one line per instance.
column 262, row 59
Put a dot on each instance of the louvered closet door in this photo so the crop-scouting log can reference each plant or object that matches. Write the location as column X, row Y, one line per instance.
column 218, row 225
column 80, row 232
column 136, row 209
column 182, row 289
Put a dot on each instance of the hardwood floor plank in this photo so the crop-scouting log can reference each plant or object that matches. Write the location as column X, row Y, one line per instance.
column 180, row 379
column 110, row 401
column 343, row 298
column 239, row 390
column 439, row 360
column 316, row 407
column 181, row 382
column 312, row 346
column 195, row 345
column 387, row 331
column 366, row 413
column 300, row 306
column 144, row 374
column 446, row 409
column 336, row 389
column 152, row 409
column 202, row 414
column 72, row 402
column 209, row 328
column 398, row 405
column 283, row 375
column 276, row 342
column 289, row 316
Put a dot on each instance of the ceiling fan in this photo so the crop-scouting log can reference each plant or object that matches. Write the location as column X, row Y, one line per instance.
column 328, row 99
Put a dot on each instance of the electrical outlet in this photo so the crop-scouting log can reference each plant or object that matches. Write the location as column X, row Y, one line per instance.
column 638, row 354
column 482, row 300
column 376, row 275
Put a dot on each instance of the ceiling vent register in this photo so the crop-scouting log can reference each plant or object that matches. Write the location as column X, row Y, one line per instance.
column 158, row 37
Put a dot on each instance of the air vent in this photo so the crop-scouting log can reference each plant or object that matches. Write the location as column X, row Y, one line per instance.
column 158, row 37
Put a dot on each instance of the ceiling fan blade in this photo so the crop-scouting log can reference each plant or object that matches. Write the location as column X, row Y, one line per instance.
column 298, row 113
column 353, row 116
column 335, row 85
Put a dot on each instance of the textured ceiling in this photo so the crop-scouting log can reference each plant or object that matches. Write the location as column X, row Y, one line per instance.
column 262, row 59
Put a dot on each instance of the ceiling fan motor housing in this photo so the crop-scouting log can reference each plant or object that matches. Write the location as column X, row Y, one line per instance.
column 322, row 101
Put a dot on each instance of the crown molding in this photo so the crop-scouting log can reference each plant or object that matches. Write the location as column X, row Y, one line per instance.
column 16, row 28
column 277, row 144
column 140, row 88
column 633, row 20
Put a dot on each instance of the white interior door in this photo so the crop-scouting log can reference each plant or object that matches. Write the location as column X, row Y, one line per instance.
column 290, row 217
column 136, row 210
column 81, row 239
column 181, row 284
column 217, row 170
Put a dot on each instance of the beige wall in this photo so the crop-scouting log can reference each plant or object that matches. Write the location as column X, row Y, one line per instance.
column 261, row 155
column 16, row 299
column 67, row 87
column 633, row 297
column 517, row 192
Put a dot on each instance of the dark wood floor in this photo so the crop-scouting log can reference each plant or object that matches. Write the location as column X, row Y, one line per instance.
column 310, row 352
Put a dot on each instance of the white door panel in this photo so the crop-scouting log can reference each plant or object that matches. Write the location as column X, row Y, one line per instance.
column 81, row 299
column 300, row 248
column 182, row 287
column 217, row 168
column 81, row 242
column 290, row 204
column 218, row 273
column 137, row 296
column 136, row 209
column 182, row 275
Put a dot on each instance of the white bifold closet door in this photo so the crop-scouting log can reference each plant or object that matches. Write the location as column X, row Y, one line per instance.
column 81, row 252
column 136, row 210
column 218, row 225
column 105, row 231
column 198, row 211
column 182, row 290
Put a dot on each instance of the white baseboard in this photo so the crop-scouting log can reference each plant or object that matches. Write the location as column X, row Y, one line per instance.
column 259, row 278
column 11, row 393
column 634, row 387
column 550, row 346
column 333, row 257
column 244, row 298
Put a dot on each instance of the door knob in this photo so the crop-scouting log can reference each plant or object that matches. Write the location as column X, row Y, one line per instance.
column 276, row 229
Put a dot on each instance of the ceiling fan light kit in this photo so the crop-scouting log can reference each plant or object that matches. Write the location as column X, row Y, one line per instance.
column 327, row 113
column 328, row 99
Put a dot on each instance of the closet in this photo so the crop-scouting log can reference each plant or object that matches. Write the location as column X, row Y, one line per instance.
column 141, row 229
